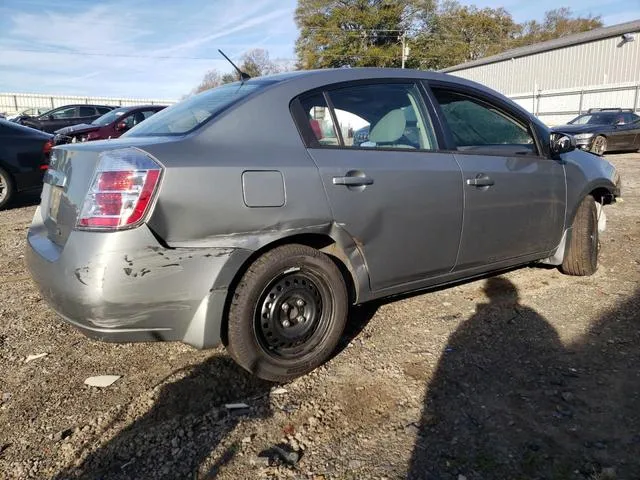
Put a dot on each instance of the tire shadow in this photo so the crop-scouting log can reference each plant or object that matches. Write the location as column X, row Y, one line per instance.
column 187, row 421
column 510, row 400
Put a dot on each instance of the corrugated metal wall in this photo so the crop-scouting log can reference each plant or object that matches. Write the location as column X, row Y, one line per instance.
column 599, row 63
column 11, row 103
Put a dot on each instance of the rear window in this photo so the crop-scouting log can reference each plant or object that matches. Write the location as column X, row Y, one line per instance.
column 194, row 111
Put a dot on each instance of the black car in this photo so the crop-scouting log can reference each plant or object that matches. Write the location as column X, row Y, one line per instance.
column 603, row 130
column 24, row 157
column 66, row 116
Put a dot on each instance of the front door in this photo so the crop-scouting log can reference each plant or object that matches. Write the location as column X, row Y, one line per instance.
column 514, row 198
column 398, row 198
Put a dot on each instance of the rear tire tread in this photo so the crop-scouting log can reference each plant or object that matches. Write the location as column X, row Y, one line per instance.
column 242, row 345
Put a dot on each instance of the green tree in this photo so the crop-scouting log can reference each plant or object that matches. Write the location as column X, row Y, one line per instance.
column 460, row 33
column 355, row 32
column 334, row 33
column 557, row 23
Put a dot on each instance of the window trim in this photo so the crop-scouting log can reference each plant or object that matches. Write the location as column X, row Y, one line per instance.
column 311, row 142
column 483, row 98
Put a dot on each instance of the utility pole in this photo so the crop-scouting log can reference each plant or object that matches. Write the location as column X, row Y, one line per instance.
column 405, row 48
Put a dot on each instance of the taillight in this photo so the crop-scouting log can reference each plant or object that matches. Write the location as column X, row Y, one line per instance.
column 122, row 190
column 46, row 153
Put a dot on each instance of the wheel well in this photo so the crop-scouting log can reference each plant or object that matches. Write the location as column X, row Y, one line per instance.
column 602, row 195
column 313, row 240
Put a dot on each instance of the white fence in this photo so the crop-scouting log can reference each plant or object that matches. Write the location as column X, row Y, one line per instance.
column 11, row 103
column 555, row 107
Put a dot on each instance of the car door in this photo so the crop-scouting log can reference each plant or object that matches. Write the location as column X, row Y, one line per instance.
column 514, row 197
column 626, row 132
column 59, row 118
column 396, row 196
column 86, row 114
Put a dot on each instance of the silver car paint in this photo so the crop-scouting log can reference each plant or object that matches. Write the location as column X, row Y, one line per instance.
column 169, row 279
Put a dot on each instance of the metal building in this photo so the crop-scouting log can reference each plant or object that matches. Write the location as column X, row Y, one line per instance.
column 561, row 78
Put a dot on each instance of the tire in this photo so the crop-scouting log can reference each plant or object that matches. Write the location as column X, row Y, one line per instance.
column 581, row 258
column 7, row 188
column 599, row 145
column 287, row 313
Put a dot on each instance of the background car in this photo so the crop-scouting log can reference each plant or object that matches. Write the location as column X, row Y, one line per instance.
column 602, row 130
column 24, row 157
column 66, row 116
column 28, row 113
column 263, row 245
column 109, row 125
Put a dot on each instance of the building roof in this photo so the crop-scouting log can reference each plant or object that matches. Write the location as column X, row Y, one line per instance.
column 576, row 39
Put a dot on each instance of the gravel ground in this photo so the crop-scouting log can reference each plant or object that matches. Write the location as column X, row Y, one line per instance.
column 528, row 375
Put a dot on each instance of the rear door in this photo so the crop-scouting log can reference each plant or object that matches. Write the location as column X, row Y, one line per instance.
column 398, row 198
column 86, row 114
column 514, row 197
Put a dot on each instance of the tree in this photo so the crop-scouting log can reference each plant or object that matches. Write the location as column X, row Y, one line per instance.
column 557, row 23
column 255, row 62
column 460, row 33
column 440, row 34
column 355, row 32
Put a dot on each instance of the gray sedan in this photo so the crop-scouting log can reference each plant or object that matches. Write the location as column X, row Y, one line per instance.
column 248, row 215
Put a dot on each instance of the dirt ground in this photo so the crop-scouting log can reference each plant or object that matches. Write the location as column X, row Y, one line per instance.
column 529, row 375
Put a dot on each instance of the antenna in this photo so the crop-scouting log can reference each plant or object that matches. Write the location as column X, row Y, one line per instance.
column 243, row 76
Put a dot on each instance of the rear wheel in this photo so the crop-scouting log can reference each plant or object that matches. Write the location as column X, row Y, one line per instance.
column 287, row 313
column 581, row 258
column 6, row 188
column 599, row 146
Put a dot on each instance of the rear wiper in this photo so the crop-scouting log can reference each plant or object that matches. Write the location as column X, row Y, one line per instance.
column 243, row 75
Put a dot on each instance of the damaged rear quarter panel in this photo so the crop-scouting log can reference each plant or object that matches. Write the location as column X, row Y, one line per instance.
column 201, row 200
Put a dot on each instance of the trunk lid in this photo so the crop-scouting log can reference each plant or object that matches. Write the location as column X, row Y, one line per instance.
column 66, row 182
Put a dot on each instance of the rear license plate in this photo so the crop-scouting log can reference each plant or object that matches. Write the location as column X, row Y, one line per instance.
column 54, row 202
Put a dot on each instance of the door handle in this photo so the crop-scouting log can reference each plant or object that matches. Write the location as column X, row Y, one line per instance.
column 353, row 181
column 481, row 180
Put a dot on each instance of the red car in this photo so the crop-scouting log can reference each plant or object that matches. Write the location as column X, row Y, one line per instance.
column 109, row 125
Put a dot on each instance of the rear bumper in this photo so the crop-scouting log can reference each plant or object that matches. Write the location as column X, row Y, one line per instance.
column 125, row 287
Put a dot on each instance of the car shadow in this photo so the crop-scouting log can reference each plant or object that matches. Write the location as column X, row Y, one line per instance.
column 510, row 400
column 187, row 421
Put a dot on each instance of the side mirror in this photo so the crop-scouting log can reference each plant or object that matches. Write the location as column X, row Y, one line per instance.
column 50, row 117
column 121, row 126
column 561, row 143
column 619, row 122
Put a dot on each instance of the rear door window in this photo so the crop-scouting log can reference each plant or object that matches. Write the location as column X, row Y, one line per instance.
column 376, row 116
column 87, row 111
column 103, row 110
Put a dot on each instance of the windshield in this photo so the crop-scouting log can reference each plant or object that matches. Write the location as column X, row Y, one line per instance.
column 194, row 111
column 110, row 117
column 596, row 119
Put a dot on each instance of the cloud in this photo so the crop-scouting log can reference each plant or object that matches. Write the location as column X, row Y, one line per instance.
column 112, row 48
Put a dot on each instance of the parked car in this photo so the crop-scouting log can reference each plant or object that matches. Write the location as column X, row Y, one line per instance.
column 66, row 116
column 605, row 129
column 109, row 125
column 24, row 156
column 183, row 229
column 28, row 113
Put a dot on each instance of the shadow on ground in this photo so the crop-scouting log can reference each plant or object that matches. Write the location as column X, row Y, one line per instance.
column 509, row 400
column 185, row 424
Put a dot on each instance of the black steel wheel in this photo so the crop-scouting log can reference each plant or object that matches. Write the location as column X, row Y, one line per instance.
column 287, row 313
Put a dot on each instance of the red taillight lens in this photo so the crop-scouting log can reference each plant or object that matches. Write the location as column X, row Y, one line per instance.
column 122, row 190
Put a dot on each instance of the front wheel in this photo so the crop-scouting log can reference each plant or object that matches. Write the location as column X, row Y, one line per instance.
column 599, row 146
column 287, row 313
column 581, row 258
column 6, row 188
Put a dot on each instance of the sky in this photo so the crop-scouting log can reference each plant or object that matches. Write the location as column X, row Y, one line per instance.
column 160, row 49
